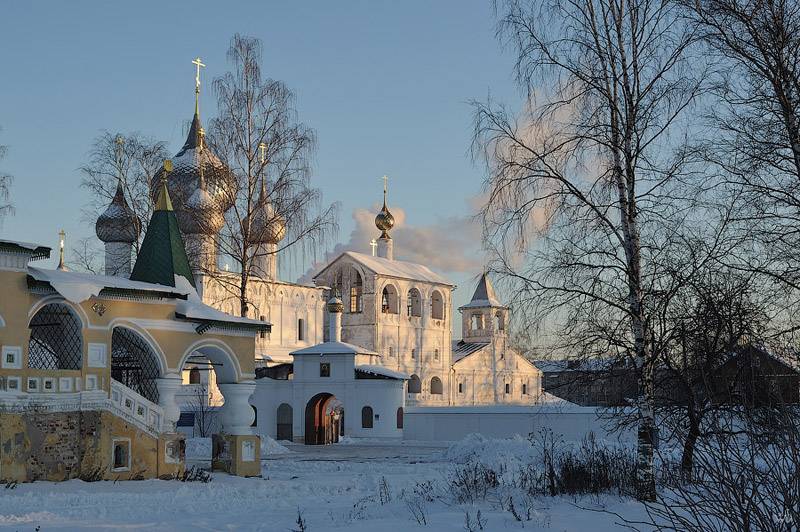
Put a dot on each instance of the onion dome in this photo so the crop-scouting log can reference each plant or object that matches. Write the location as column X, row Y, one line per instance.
column 184, row 180
column 267, row 226
column 384, row 220
column 335, row 305
column 201, row 213
column 118, row 223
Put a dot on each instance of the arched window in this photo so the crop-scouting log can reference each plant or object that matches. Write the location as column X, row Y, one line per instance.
column 476, row 322
column 414, row 384
column 56, row 339
column 133, row 363
column 437, row 305
column 301, row 330
column 194, row 376
column 336, row 288
column 284, row 431
column 414, row 303
column 389, row 300
column 356, row 291
column 499, row 322
column 366, row 417
column 400, row 418
column 436, row 386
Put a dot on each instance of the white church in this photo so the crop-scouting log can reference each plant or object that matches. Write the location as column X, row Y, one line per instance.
column 347, row 355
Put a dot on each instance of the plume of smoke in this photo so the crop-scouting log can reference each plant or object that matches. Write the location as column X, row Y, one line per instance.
column 451, row 245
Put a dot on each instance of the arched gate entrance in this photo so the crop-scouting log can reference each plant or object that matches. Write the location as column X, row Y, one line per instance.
column 324, row 419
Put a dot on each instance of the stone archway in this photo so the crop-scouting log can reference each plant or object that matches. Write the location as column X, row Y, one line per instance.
column 134, row 363
column 324, row 419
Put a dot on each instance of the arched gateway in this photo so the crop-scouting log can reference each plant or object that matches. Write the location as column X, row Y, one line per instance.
column 324, row 419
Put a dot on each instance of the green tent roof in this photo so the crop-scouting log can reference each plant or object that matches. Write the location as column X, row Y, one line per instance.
column 162, row 255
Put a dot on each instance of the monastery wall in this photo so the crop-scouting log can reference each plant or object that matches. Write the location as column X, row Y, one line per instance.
column 57, row 446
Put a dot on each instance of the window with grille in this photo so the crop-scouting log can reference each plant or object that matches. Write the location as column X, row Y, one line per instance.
column 133, row 363
column 56, row 339
column 356, row 291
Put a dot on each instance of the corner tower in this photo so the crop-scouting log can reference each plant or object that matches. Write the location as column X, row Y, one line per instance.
column 484, row 318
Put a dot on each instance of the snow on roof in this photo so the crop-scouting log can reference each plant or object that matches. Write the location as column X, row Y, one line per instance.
column 484, row 295
column 393, row 268
column 37, row 251
column 334, row 348
column 462, row 349
column 78, row 287
column 193, row 309
column 384, row 372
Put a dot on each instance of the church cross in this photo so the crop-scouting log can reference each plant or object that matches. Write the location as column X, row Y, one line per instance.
column 373, row 244
column 197, row 62
column 385, row 185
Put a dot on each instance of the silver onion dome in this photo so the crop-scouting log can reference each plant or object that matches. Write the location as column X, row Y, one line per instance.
column 118, row 223
column 267, row 226
column 184, row 179
column 201, row 214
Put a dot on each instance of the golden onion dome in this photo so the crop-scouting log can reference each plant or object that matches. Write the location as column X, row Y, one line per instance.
column 384, row 221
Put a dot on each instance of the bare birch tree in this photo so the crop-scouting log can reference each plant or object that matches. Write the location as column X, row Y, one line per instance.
column 257, row 135
column 132, row 159
column 6, row 206
column 756, row 120
column 582, row 187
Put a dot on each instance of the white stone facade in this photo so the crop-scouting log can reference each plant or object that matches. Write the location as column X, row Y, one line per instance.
column 401, row 311
column 294, row 310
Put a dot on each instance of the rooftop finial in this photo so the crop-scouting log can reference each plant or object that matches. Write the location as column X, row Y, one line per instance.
column 384, row 220
column 198, row 63
column 262, row 157
column 164, row 203
column 61, row 238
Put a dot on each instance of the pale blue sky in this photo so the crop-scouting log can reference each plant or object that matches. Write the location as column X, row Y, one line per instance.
column 384, row 83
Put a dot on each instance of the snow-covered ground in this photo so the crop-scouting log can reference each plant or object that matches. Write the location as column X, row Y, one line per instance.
column 357, row 487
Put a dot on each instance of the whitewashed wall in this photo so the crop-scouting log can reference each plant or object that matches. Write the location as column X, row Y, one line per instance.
column 452, row 424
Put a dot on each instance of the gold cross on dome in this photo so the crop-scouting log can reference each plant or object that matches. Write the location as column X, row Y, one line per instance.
column 197, row 62
column 262, row 151
column 385, row 183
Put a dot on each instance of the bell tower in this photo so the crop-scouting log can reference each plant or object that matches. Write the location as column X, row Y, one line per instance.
column 484, row 318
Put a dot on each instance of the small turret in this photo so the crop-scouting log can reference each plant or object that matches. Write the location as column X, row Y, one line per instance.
column 118, row 228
